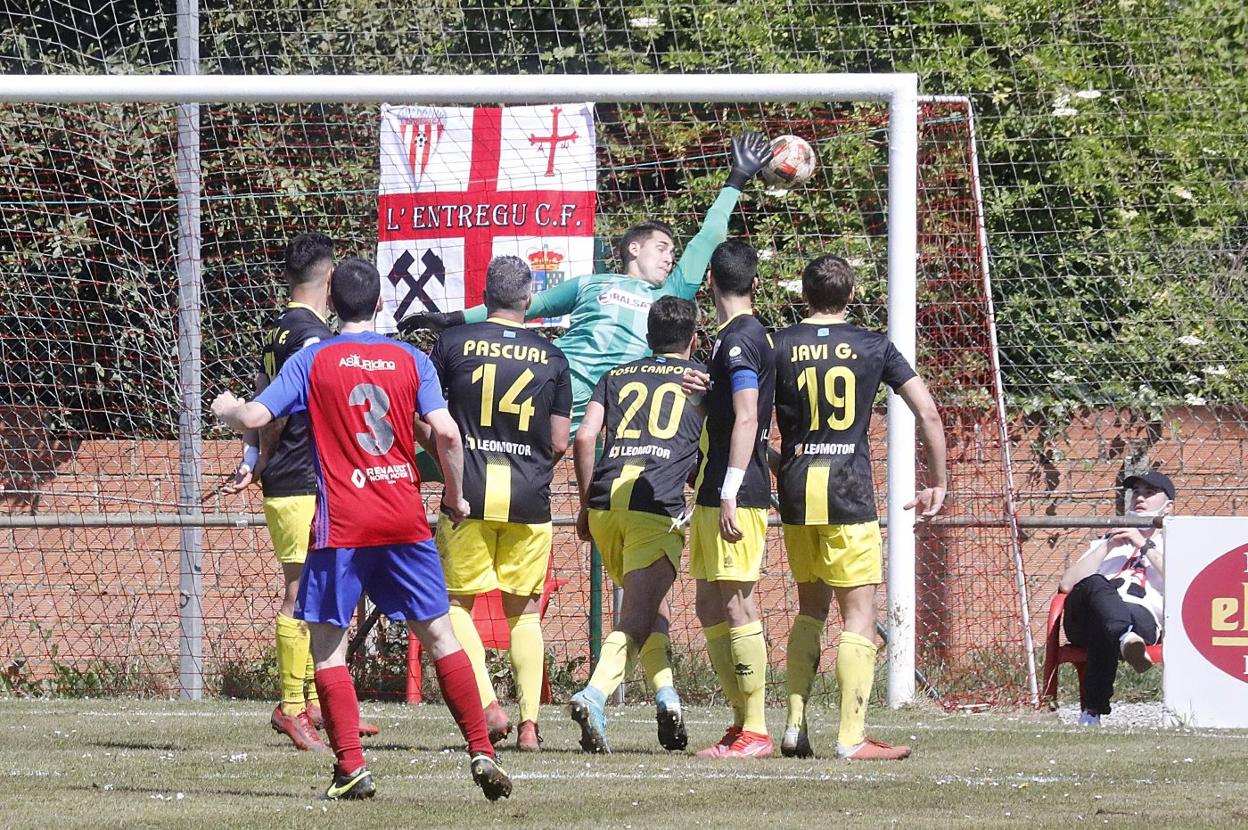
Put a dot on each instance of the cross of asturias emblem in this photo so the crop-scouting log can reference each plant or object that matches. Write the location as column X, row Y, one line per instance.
column 553, row 140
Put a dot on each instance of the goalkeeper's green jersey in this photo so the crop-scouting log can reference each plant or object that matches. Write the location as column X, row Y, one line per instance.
column 608, row 312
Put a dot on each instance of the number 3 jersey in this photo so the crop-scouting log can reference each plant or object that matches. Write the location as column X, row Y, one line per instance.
column 652, row 434
column 827, row 375
column 503, row 383
column 362, row 393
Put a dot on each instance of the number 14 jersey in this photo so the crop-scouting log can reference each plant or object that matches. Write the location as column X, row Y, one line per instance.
column 827, row 375
column 503, row 382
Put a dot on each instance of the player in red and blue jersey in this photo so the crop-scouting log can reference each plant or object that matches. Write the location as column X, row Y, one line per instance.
column 362, row 393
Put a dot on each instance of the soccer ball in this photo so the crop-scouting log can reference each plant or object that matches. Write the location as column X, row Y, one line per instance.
column 793, row 161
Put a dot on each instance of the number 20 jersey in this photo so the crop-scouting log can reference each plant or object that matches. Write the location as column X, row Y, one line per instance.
column 503, row 382
column 652, row 434
column 827, row 375
column 362, row 393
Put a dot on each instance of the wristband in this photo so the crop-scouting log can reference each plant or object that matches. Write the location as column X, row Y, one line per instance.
column 251, row 456
column 733, row 478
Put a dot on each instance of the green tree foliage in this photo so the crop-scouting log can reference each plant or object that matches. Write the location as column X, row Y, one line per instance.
column 1112, row 140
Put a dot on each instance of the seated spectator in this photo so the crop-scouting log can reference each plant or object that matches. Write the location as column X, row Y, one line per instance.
column 1115, row 604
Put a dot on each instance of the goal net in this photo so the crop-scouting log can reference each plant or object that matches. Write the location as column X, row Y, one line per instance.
column 89, row 202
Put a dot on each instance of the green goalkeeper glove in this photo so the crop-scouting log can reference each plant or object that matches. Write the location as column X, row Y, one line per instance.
column 750, row 153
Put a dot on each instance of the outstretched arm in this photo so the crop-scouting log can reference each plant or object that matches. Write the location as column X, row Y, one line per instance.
column 238, row 414
column 750, row 153
column 554, row 302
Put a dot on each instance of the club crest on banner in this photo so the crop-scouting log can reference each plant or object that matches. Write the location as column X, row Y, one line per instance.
column 421, row 134
column 461, row 185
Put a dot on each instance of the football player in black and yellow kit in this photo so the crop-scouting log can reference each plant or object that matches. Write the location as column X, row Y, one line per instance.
column 728, row 532
column 632, row 506
column 281, row 456
column 510, row 392
column 827, row 375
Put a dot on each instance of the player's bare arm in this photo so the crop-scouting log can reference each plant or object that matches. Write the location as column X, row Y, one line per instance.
column 450, row 452
column 583, row 462
column 252, row 463
column 740, row 447
column 931, row 499
column 238, row 414
column 560, row 429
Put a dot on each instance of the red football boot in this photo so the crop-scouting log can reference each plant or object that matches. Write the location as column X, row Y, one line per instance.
column 873, row 750
column 750, row 745
column 718, row 750
column 497, row 722
column 367, row 730
column 299, row 729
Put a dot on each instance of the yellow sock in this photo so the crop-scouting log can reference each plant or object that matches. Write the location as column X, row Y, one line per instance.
column 802, row 664
column 528, row 660
column 855, row 671
column 719, row 649
column 612, row 662
column 749, row 657
column 309, row 682
column 292, row 657
column 656, row 661
column 466, row 632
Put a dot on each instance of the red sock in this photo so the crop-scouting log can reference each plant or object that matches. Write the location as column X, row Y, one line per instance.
column 341, row 710
column 459, row 690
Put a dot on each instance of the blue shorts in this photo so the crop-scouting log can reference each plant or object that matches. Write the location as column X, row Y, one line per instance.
column 405, row 582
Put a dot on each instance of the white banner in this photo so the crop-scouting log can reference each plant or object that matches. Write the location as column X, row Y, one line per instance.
column 462, row 185
column 1205, row 648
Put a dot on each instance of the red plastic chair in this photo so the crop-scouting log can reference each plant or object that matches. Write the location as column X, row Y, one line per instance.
column 1056, row 653
column 491, row 622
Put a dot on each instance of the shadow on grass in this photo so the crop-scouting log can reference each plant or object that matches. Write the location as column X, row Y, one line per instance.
column 139, row 745
column 130, row 789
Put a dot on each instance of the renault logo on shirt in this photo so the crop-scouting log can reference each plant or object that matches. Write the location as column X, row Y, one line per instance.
column 358, row 478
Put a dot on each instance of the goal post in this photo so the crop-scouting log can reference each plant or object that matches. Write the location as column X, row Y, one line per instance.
column 898, row 91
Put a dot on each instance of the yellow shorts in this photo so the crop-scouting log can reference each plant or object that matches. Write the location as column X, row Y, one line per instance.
column 290, row 522
column 713, row 559
column 631, row 540
column 479, row 556
column 843, row 556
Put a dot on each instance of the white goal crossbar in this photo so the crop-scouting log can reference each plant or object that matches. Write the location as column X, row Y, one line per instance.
column 899, row 91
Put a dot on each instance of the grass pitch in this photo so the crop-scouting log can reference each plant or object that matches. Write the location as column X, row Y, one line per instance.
column 118, row 763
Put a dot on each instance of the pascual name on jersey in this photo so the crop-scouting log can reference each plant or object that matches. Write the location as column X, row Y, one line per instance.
column 384, row 473
column 507, row 351
column 614, row 296
column 490, row 445
column 354, row 361
column 824, row 449
column 647, row 449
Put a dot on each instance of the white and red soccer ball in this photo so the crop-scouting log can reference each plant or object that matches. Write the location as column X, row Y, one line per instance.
column 793, row 161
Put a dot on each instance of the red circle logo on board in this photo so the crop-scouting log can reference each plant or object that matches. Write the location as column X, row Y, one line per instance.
column 1215, row 612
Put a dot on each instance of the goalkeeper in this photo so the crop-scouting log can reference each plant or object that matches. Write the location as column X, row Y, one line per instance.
column 607, row 326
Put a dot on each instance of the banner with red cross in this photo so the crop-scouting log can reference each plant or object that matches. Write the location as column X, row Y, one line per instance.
column 461, row 185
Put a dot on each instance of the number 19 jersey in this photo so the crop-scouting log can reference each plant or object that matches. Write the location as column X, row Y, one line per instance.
column 827, row 375
column 503, row 382
column 652, row 434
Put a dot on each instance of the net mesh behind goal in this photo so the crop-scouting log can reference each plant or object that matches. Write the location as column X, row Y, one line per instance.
column 90, row 358
column 1111, row 139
